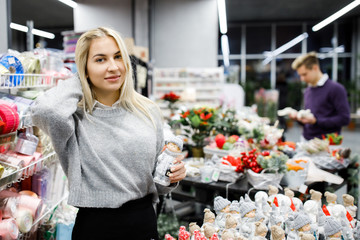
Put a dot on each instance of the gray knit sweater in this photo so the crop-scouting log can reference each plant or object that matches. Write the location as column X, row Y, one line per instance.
column 109, row 157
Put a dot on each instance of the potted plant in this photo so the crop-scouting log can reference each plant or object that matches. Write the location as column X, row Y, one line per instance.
column 198, row 124
column 171, row 98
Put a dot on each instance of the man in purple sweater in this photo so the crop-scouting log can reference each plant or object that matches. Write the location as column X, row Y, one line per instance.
column 326, row 99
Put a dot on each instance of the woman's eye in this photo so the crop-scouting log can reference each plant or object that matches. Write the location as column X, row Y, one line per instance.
column 99, row 60
column 118, row 57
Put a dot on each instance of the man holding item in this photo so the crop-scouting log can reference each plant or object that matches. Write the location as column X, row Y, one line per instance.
column 326, row 99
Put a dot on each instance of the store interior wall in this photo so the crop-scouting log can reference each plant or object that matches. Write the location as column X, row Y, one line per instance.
column 184, row 33
column 3, row 26
column 141, row 30
column 110, row 13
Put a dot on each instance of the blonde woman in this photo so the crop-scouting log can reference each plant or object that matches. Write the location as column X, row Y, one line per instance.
column 107, row 137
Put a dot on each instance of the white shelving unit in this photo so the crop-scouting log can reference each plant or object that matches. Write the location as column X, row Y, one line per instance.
column 196, row 86
column 15, row 173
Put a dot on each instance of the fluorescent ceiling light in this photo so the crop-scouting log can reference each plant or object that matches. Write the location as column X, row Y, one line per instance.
column 43, row 34
column 34, row 31
column 222, row 16
column 283, row 48
column 19, row 27
column 69, row 3
column 328, row 52
column 336, row 15
column 225, row 50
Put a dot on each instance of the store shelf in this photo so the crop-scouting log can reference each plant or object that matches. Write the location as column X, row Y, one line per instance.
column 20, row 174
column 36, row 224
column 196, row 86
column 8, row 81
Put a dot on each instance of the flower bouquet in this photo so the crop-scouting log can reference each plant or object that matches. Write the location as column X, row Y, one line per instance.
column 274, row 167
column 198, row 124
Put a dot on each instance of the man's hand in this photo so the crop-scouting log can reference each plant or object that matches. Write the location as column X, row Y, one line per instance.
column 178, row 171
column 307, row 120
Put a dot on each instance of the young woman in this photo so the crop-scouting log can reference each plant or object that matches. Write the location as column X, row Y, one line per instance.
column 107, row 138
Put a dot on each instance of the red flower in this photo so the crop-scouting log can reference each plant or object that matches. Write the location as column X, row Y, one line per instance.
column 205, row 117
column 185, row 114
column 171, row 97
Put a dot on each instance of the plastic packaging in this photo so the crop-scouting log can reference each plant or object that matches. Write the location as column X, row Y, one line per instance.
column 14, row 66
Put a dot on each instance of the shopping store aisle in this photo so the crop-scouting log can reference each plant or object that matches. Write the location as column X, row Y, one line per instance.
column 351, row 137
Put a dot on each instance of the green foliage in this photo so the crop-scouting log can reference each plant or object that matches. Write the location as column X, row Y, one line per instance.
column 276, row 161
column 226, row 123
column 167, row 223
column 353, row 172
column 251, row 85
column 257, row 134
column 198, row 123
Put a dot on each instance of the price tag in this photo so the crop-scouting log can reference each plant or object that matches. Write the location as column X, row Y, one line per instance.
column 303, row 188
column 215, row 176
column 11, row 60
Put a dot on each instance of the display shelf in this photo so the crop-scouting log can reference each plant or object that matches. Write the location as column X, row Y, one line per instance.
column 36, row 224
column 8, row 81
column 21, row 173
column 196, row 86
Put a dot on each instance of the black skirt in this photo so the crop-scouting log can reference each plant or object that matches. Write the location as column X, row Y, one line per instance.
column 134, row 220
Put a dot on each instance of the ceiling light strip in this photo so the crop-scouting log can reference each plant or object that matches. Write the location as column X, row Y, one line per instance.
column 225, row 50
column 69, row 3
column 222, row 16
column 336, row 15
column 37, row 32
column 284, row 47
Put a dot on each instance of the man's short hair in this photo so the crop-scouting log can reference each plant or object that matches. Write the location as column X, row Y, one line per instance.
column 308, row 60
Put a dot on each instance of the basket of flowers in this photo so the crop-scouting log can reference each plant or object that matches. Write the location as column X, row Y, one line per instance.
column 273, row 165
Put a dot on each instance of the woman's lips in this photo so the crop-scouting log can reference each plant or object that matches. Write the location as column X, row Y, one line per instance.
column 112, row 78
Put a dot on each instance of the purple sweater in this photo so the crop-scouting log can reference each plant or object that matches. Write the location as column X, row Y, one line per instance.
column 330, row 106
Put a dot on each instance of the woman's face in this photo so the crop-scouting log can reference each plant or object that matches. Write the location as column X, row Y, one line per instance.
column 105, row 68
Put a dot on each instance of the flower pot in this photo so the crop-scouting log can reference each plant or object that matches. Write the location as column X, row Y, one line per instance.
column 197, row 152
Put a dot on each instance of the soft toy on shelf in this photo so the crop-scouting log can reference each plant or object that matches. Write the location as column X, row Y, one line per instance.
column 301, row 224
column 209, row 231
column 306, row 236
column 260, row 231
column 192, row 227
column 247, row 212
column 332, row 228
column 165, row 160
column 351, row 209
column 222, row 208
column 209, row 219
column 235, row 211
column 277, row 233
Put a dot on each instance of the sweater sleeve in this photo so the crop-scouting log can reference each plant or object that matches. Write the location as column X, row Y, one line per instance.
column 341, row 108
column 53, row 112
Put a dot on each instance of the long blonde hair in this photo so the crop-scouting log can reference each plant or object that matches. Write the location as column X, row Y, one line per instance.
column 129, row 98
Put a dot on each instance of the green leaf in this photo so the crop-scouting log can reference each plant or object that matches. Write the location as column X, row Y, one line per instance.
column 195, row 121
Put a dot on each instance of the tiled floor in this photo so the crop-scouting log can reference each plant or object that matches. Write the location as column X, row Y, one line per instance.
column 351, row 137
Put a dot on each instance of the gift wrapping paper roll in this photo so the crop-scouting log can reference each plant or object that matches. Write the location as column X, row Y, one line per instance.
column 14, row 66
column 24, row 220
column 12, row 160
column 10, row 117
column 10, row 208
column 9, row 229
column 25, row 158
column 34, row 205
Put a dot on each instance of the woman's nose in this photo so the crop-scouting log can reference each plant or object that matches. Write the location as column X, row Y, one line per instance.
column 112, row 65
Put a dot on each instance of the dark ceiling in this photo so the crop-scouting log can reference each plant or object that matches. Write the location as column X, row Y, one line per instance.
column 52, row 14
column 284, row 10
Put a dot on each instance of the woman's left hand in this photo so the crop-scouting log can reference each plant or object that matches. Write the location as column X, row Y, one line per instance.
column 178, row 171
